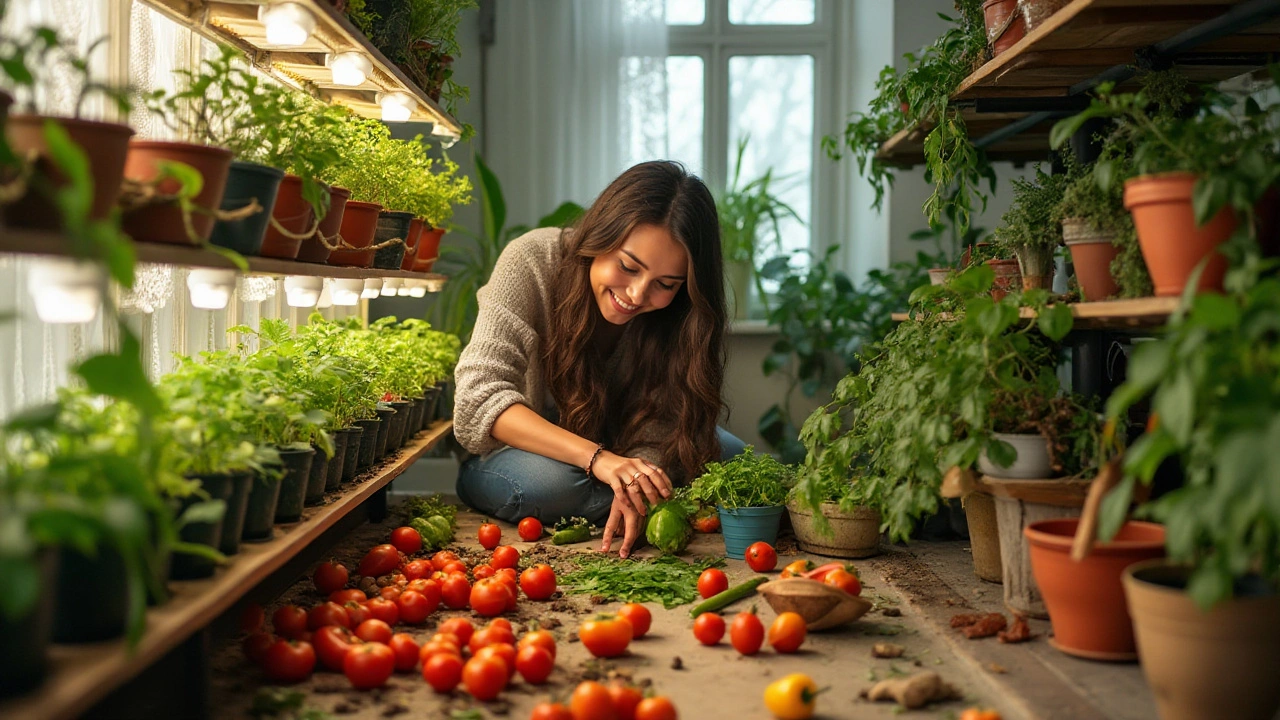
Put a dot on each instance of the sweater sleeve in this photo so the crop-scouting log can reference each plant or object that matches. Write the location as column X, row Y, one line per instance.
column 491, row 375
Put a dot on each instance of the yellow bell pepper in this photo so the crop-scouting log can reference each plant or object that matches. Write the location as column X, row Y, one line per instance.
column 792, row 697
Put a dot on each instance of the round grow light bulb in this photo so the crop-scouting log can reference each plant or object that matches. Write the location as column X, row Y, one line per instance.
column 434, row 284
column 288, row 24
column 391, row 286
column 302, row 291
column 66, row 291
column 350, row 68
column 417, row 288
column 210, row 289
column 346, row 291
column 396, row 106
column 326, row 297
column 372, row 288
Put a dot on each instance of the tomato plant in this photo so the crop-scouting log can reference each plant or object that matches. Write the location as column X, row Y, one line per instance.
column 385, row 610
column 746, row 633
column 455, row 591
column 442, row 672
column 256, row 646
column 374, row 630
column 289, row 621
column 290, row 661
column 844, row 580
column 786, row 632
column 252, row 618
column 605, row 635
column 625, row 699
column 639, row 617
column 330, row 577
column 406, row 651
column 539, row 638
column 656, row 708
column 369, row 665
column 459, row 627
column 592, row 700
column 490, row 535
column 327, row 614
column 534, row 664
column 332, row 642
column 415, row 569
column 538, row 582
column 708, row 628
column 712, row 582
column 505, row 557
column 381, row 560
column 406, row 540
column 484, row 677
column 529, row 529
column 489, row 597
column 414, row 607
column 761, row 556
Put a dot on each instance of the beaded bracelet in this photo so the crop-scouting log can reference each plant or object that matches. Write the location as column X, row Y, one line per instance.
column 592, row 462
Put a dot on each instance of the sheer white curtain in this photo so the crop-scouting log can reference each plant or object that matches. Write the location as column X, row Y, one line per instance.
column 576, row 94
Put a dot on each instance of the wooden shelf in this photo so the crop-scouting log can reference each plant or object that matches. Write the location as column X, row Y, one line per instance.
column 1146, row 312
column 81, row 675
column 34, row 242
column 235, row 22
column 906, row 148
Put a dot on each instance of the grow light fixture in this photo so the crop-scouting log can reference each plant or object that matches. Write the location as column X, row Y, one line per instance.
column 435, row 284
column 372, row 288
column 396, row 106
column 445, row 136
column 211, row 289
column 302, row 291
column 288, row 24
column 325, row 300
column 350, row 68
column 391, row 286
column 417, row 288
column 346, row 291
column 65, row 291
column 403, row 289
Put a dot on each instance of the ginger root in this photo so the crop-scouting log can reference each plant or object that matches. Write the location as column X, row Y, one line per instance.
column 913, row 692
column 1019, row 632
column 887, row 650
column 986, row 627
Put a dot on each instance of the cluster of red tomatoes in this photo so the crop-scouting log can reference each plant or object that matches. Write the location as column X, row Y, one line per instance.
column 617, row 701
column 746, row 631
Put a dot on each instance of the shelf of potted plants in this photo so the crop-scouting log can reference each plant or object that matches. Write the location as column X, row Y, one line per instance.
column 81, row 675
column 1109, row 314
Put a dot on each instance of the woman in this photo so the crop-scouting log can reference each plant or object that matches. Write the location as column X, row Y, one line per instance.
column 592, row 380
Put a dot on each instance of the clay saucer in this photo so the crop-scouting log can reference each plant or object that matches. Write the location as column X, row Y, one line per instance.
column 822, row 606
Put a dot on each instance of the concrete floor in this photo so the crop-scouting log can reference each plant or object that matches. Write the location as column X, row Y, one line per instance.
column 920, row 590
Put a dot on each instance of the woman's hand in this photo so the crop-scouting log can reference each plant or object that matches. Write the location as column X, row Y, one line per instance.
column 631, row 522
column 633, row 480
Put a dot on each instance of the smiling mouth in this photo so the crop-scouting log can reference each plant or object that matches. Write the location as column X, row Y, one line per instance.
column 621, row 306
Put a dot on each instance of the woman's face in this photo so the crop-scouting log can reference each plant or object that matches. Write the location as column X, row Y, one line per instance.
column 642, row 275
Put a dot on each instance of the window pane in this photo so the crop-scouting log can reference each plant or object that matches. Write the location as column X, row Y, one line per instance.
column 687, row 12
column 771, row 103
column 684, row 111
column 770, row 12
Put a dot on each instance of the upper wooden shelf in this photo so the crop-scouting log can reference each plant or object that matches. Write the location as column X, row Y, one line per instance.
column 81, row 675
column 1146, row 312
column 906, row 148
column 236, row 22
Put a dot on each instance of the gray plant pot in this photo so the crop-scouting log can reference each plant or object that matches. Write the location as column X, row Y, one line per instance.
column 854, row 535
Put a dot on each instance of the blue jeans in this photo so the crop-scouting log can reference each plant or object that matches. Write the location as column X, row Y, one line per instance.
column 512, row 484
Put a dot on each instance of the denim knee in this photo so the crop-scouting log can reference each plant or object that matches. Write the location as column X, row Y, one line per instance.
column 730, row 445
column 513, row 484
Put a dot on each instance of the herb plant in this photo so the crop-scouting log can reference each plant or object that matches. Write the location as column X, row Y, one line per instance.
column 1032, row 227
column 666, row 579
column 1085, row 199
column 748, row 480
column 750, row 217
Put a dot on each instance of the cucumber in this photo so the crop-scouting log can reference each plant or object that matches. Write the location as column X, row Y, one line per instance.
column 573, row 533
column 728, row 597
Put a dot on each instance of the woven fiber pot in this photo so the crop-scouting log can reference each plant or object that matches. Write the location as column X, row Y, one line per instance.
column 1171, row 243
column 351, row 452
column 105, row 145
column 259, row 519
column 294, row 484
column 316, row 477
column 233, row 518
column 24, row 640
column 1085, row 599
column 1216, row 664
column 163, row 222
column 428, row 249
column 245, row 183
column 1008, row 278
column 388, row 417
column 984, row 536
column 92, row 600
column 294, row 214
column 312, row 250
column 333, row 479
column 1033, row 461
column 1005, row 25
column 368, row 443
column 743, row 526
column 1091, row 254
column 359, row 223
column 189, row 567
column 411, row 244
column 853, row 535
column 392, row 225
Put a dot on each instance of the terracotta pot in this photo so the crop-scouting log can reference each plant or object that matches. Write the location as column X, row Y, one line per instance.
column 853, row 534
column 105, row 145
column 984, row 536
column 1086, row 599
column 411, row 243
column 359, row 223
column 163, row 223
column 1005, row 25
column 1008, row 278
column 1216, row 664
column 294, row 214
column 1091, row 254
column 314, row 251
column 1171, row 243
column 428, row 248
column 938, row 276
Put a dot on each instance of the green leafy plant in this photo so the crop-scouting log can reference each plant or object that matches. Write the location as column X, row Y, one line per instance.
column 750, row 217
column 1084, row 199
column 666, row 579
column 1031, row 228
column 33, row 58
column 748, row 480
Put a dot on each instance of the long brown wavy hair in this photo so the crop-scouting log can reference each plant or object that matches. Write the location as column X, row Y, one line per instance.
column 666, row 392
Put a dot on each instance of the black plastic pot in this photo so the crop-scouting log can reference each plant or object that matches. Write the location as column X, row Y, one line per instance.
column 245, row 182
column 333, row 476
column 190, row 567
column 24, row 641
column 92, row 596
column 260, row 517
column 233, row 520
column 433, row 402
column 391, row 224
column 416, row 412
column 368, row 443
column 352, row 457
column 293, row 486
column 316, row 478
column 398, row 426
column 388, row 418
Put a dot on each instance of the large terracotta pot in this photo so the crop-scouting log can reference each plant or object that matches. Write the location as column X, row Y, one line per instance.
column 294, row 214
column 1008, row 278
column 312, row 249
column 1222, row 663
column 428, row 248
column 163, row 222
column 359, row 223
column 1171, row 243
column 1086, row 599
column 104, row 144
column 1005, row 25
column 411, row 244
column 1091, row 254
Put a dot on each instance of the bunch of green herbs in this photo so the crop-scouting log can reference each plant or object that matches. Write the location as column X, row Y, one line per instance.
column 748, row 480
column 668, row 580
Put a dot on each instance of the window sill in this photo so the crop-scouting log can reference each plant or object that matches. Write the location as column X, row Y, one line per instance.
column 751, row 327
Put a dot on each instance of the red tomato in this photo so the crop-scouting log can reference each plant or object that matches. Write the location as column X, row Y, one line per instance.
column 440, row 558
column 407, row 540
column 504, row 652
column 491, row 635
column 327, row 614
column 605, row 636
column 443, row 672
column 374, row 630
column 342, row 597
column 712, row 582
column 330, row 577
column 535, row 664
column 538, row 582
column 529, row 529
column 382, row 560
column 490, row 536
column 389, row 592
column 289, row 621
column 502, row 623
column 406, row 651
column 625, row 699
column 539, row 638
column 639, row 617
column 252, row 618
column 256, row 646
column 551, row 711
column 505, row 557
column 385, row 610
column 356, row 613
column 332, row 643
column 846, row 581
column 369, row 665
column 480, row 572
column 429, row 589
column 489, row 597
column 761, row 557
column 707, row 523
column 414, row 607
column 455, row 566
column 592, row 701
column 290, row 661
column 455, row 591
column 426, row 652
column 484, row 677
column 746, row 633
column 656, row 708
column 786, row 632
column 459, row 627
column 708, row 628
column 415, row 569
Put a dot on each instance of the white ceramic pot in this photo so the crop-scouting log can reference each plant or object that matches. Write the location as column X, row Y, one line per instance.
column 1032, row 462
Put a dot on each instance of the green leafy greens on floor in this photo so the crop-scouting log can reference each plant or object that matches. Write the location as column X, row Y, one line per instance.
column 668, row 580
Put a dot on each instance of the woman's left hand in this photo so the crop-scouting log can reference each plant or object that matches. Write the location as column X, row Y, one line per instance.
column 632, row 523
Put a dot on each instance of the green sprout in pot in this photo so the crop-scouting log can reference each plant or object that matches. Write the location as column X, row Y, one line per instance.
column 1032, row 227
column 1093, row 209
column 747, row 480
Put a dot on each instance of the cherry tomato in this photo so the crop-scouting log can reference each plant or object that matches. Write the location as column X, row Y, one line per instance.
column 708, row 628
column 256, row 646
column 455, row 566
column 490, row 536
column 712, row 582
column 786, row 632
column 415, row 569
column 289, row 621
column 252, row 618
column 538, row 582
column 369, row 665
column 505, row 557
column 342, row 597
column 489, row 597
column 529, row 529
column 389, row 592
column 356, row 613
column 332, row 643
column 846, row 581
column 374, row 630
column 656, row 708
column 539, row 638
column 330, row 577
column 414, row 607
column 625, row 699
column 491, row 635
column 761, row 556
column 443, row 672
column 707, row 523
column 535, row 664
column 551, row 711
column 502, row 623
column 639, row 617
column 484, row 677
column 290, row 661
column 381, row 560
column 504, row 652
column 327, row 614
column 406, row 650
column 480, row 572
column 426, row 652
column 459, row 627
column 746, row 633
column 606, row 635
column 385, row 610
column 407, row 540
column 455, row 591
column 797, row 568
column 591, row 700
column 440, row 558
column 974, row 713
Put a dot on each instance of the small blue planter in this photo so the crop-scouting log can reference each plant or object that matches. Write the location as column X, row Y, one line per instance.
column 743, row 526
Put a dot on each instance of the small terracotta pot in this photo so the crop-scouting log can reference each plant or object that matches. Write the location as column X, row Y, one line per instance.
column 428, row 248
column 1086, row 599
column 105, row 145
column 294, row 214
column 1171, row 243
column 938, row 276
column 995, row 13
column 1008, row 278
column 312, row 249
column 1219, row 663
column 1091, row 254
column 359, row 223
column 411, row 244
column 163, row 223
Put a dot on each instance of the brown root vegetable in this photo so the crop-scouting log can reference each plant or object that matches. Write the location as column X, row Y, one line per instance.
column 965, row 619
column 887, row 650
column 986, row 627
column 1019, row 632
column 913, row 692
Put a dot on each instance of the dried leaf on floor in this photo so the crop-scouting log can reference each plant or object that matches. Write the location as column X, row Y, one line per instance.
column 988, row 626
column 1020, row 632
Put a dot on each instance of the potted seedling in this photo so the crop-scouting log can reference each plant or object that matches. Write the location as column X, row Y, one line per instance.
column 305, row 140
column 1031, row 228
column 750, row 491
column 828, row 520
column 434, row 198
column 363, row 170
column 1099, row 232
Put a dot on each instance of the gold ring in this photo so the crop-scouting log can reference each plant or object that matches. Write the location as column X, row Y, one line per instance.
column 629, row 485
column 636, row 475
